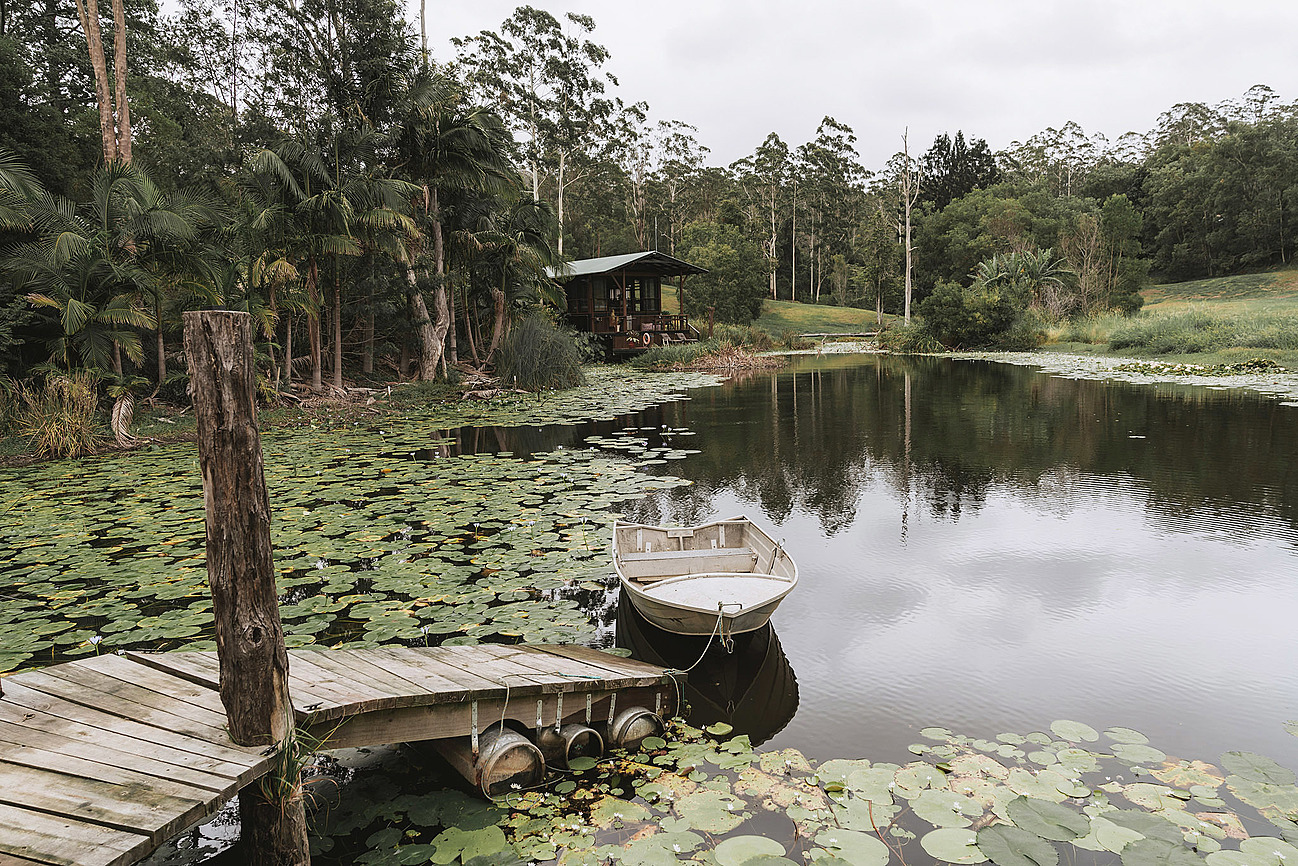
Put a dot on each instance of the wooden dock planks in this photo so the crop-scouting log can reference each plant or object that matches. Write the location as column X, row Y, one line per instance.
column 104, row 759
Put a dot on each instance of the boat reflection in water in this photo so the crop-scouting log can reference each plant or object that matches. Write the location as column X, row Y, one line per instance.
column 753, row 688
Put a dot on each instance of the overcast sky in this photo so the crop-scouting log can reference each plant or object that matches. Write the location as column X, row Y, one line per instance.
column 998, row 69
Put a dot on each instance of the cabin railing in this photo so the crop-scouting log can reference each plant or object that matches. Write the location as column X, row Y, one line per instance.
column 611, row 323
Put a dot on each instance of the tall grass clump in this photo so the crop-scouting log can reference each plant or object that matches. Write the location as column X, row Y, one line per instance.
column 8, row 404
column 676, row 356
column 744, row 337
column 59, row 416
column 535, row 355
column 1194, row 331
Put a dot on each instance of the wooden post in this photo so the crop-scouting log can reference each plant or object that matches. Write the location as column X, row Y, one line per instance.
column 240, row 569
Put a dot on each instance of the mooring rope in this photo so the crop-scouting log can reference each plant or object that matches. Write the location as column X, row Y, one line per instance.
column 726, row 641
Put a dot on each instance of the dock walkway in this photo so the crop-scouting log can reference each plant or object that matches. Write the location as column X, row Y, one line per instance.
column 104, row 759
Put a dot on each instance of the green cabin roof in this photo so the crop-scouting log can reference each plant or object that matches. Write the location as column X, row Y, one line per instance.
column 649, row 262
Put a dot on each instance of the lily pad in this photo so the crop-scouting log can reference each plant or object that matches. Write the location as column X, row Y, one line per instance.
column 857, row 848
column 1074, row 732
column 1014, row 846
column 1048, row 820
column 738, row 850
column 1257, row 768
column 953, row 845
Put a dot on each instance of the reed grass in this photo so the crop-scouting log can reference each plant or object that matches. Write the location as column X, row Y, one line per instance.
column 536, row 355
column 59, row 416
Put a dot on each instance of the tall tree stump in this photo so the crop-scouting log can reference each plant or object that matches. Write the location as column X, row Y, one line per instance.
column 240, row 569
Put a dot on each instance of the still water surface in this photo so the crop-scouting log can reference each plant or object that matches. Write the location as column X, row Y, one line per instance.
column 988, row 548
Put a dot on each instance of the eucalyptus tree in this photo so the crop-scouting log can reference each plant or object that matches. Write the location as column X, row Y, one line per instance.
column 833, row 187
column 547, row 79
column 762, row 177
column 678, row 171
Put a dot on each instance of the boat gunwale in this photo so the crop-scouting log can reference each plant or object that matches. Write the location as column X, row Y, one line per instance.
column 640, row 591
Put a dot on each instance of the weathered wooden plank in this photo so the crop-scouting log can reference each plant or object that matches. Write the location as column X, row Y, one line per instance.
column 485, row 664
column 11, row 860
column 325, row 686
column 447, row 685
column 393, row 690
column 562, row 673
column 74, row 765
column 364, row 663
column 155, row 680
column 21, row 727
column 200, row 668
column 67, row 842
column 40, row 682
column 19, row 695
column 82, row 677
column 617, row 669
column 134, row 807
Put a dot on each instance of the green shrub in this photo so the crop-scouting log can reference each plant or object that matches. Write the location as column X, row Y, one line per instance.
column 536, row 355
column 8, row 404
column 794, row 341
column 912, row 339
column 981, row 316
column 59, row 416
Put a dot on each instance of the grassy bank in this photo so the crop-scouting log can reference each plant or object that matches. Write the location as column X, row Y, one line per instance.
column 1224, row 320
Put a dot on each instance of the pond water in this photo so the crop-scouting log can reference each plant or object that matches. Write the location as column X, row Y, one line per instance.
column 982, row 547
column 989, row 548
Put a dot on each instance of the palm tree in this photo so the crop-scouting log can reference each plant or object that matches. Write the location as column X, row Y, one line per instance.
column 337, row 198
column 515, row 246
column 84, row 265
column 447, row 148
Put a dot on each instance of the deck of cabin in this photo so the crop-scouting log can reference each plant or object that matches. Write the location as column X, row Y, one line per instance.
column 619, row 299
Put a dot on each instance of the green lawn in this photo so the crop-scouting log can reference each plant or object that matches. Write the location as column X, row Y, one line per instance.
column 781, row 317
column 1268, row 292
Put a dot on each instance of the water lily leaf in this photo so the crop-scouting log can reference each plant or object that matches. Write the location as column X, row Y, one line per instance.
column 467, row 844
column 1135, row 753
column 719, row 729
column 1158, row 852
column 942, row 808
column 1048, row 820
column 857, row 848
column 1126, row 735
column 1257, row 768
column 711, row 811
column 1278, row 851
column 1238, row 858
column 1014, row 846
column 1198, row 777
column 1074, row 732
column 608, row 811
column 1107, row 836
column 738, row 850
column 1149, row 825
column 953, row 845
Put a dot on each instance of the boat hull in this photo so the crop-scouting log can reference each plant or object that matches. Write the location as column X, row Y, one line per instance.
column 726, row 577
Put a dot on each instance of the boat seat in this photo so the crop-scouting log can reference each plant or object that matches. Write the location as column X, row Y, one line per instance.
column 660, row 564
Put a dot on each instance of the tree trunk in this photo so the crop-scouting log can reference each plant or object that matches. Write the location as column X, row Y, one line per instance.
column 288, row 349
column 123, row 107
column 88, row 12
column 468, row 332
column 313, row 325
column 452, row 353
column 430, row 340
column 498, row 324
column 241, row 573
column 338, row 330
column 117, row 358
column 162, row 346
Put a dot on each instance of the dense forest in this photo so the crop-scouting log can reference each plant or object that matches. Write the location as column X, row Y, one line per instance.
column 382, row 213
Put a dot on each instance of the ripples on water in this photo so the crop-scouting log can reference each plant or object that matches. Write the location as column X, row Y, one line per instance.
column 989, row 549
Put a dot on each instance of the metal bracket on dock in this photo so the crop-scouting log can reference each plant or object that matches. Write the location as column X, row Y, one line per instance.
column 540, row 714
column 588, row 702
column 612, row 706
column 473, row 731
column 658, row 704
column 558, row 711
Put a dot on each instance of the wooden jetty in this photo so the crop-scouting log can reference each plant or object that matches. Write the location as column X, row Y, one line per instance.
column 104, row 759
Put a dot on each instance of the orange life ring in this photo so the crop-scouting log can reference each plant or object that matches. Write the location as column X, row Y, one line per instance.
column 647, row 338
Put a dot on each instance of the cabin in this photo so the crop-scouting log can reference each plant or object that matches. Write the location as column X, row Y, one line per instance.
column 619, row 299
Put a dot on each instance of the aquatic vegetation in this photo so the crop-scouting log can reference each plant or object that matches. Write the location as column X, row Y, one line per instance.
column 378, row 537
column 1018, row 800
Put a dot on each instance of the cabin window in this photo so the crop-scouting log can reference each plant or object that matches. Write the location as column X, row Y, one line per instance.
column 599, row 290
